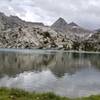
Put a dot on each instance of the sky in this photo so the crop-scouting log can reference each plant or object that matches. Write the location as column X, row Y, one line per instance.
column 86, row 13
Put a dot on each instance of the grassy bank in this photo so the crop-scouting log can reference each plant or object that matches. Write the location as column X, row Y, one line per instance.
column 14, row 94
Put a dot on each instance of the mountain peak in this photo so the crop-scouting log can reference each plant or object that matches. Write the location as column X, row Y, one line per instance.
column 60, row 23
column 72, row 24
column 61, row 20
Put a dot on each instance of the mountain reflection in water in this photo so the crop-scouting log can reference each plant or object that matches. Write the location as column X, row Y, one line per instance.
column 64, row 73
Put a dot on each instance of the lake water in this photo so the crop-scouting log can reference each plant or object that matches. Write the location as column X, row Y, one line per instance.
column 69, row 74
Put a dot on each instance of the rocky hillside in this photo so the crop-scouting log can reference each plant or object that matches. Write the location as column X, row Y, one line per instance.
column 71, row 30
column 16, row 33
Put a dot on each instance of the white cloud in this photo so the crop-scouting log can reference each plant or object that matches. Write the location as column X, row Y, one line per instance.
column 84, row 12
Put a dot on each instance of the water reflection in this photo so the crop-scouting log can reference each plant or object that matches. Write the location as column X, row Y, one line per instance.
column 58, row 63
column 65, row 73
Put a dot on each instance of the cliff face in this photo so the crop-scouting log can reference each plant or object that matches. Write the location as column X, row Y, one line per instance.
column 16, row 33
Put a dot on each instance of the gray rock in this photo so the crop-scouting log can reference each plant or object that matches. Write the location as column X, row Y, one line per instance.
column 16, row 33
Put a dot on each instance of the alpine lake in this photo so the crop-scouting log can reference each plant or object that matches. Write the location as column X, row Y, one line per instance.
column 65, row 73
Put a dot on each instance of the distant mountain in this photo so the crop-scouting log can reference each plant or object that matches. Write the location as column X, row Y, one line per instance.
column 71, row 31
column 7, row 22
column 60, row 25
column 97, row 30
column 73, row 24
column 17, row 33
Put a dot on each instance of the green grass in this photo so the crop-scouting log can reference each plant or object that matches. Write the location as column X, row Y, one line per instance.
column 15, row 94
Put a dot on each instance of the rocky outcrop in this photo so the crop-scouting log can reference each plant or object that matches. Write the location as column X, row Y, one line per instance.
column 33, row 37
column 16, row 33
column 71, row 30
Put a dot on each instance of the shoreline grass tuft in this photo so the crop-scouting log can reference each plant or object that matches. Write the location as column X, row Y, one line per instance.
column 17, row 94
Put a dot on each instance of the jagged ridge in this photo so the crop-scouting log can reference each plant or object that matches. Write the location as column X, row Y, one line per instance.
column 16, row 33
